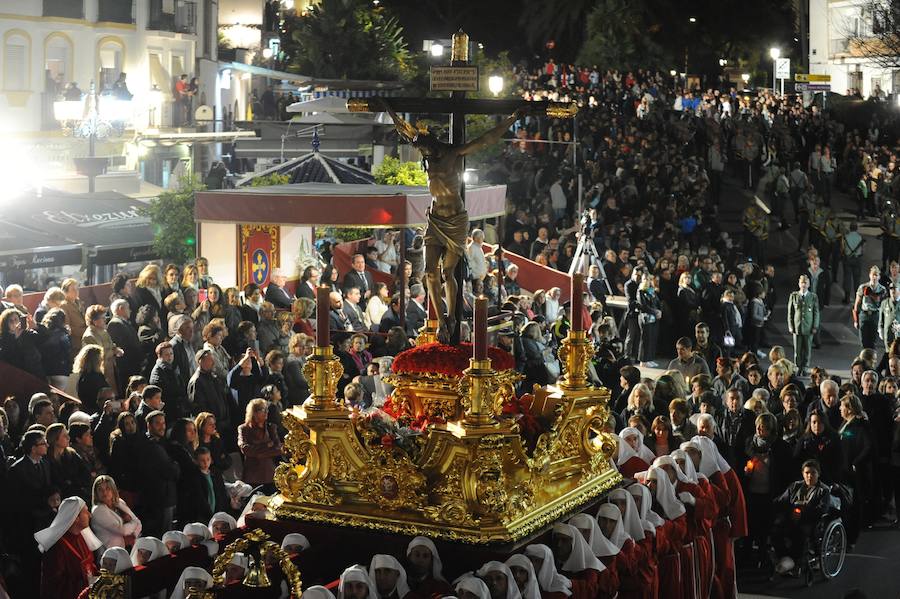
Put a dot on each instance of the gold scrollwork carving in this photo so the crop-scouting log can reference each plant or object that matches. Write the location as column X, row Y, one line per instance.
column 392, row 481
column 109, row 586
column 257, row 542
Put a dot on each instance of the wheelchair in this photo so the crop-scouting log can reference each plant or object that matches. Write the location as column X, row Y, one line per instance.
column 826, row 547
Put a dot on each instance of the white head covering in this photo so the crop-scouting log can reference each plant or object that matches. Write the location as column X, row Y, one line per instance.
column 710, row 459
column 600, row 545
column 619, row 536
column 532, row 590
column 295, row 538
column 177, row 536
column 317, row 592
column 191, row 573
column 222, row 517
column 548, row 578
column 581, row 557
column 65, row 517
column 202, row 530
column 650, row 520
column 240, row 559
column 155, row 546
column 121, row 557
column 688, row 473
column 665, row 494
column 437, row 568
column 357, row 573
column 667, row 460
column 474, row 585
column 512, row 589
column 248, row 509
column 381, row 560
column 626, row 452
column 631, row 520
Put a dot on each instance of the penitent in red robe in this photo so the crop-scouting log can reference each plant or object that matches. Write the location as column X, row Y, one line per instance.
column 591, row 584
column 632, row 466
column 669, row 542
column 635, row 579
column 702, row 516
column 725, row 581
column 65, row 568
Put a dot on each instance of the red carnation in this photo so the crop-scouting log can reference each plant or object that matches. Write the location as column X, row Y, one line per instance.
column 387, row 440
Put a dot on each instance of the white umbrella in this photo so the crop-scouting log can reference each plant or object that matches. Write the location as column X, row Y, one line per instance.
column 331, row 104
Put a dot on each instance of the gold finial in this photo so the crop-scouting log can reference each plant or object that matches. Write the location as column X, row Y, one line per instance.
column 460, row 49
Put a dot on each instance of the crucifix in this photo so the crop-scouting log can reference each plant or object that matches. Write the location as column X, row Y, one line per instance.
column 448, row 221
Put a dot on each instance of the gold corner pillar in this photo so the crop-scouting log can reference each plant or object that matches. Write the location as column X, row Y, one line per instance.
column 476, row 479
column 323, row 370
column 428, row 333
column 575, row 353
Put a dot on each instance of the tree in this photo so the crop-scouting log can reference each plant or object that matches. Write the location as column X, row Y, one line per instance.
column 562, row 22
column 346, row 39
column 393, row 172
column 618, row 37
column 172, row 217
column 873, row 31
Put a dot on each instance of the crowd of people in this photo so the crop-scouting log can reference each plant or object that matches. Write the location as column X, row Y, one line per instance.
column 171, row 396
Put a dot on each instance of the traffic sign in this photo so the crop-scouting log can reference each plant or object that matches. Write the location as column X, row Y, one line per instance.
column 783, row 68
column 454, row 79
column 812, row 78
column 813, row 87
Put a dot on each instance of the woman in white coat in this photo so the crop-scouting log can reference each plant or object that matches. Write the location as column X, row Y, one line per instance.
column 111, row 519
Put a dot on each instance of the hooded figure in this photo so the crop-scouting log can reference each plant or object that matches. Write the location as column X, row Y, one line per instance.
column 665, row 494
column 531, row 590
column 174, row 540
column 66, row 514
column 115, row 560
column 198, row 534
column 295, row 540
column 381, row 561
column 192, row 578
column 600, row 545
column 221, row 524
column 618, row 536
column 317, row 592
column 685, row 472
column 252, row 509
column 473, row 585
column 581, row 557
column 512, row 589
column 631, row 519
column 630, row 460
column 548, row 578
column 147, row 549
column 237, row 568
column 589, row 576
column 436, row 565
column 356, row 574
column 650, row 520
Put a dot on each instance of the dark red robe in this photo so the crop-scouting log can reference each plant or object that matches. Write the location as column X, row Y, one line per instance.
column 591, row 584
column 65, row 568
column 632, row 466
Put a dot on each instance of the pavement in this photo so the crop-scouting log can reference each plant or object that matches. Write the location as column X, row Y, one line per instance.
column 872, row 564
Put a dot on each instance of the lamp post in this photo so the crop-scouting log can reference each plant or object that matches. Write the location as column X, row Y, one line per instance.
column 495, row 84
column 437, row 50
column 92, row 119
column 775, row 53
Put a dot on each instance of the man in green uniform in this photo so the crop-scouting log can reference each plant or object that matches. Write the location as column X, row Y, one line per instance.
column 803, row 322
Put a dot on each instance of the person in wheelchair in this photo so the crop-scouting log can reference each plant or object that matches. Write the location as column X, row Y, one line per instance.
column 798, row 510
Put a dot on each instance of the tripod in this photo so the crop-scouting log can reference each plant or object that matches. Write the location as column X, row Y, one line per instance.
column 586, row 254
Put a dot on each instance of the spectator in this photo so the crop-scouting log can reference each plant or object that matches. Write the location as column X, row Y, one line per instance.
column 259, row 443
column 74, row 310
column 96, row 334
column 56, row 349
column 125, row 337
column 276, row 294
column 111, row 519
column 158, row 476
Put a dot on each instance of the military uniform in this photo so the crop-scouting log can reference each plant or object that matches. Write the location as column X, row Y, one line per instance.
column 803, row 322
column 866, row 318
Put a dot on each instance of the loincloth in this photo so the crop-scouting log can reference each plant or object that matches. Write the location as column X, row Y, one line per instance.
column 448, row 232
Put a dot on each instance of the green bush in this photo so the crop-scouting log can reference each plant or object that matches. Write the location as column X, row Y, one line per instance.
column 394, row 172
column 172, row 218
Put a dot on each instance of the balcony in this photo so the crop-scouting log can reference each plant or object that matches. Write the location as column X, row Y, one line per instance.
column 72, row 9
column 839, row 46
column 183, row 20
column 115, row 11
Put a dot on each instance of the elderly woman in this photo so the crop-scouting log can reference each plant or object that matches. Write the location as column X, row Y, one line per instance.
column 111, row 519
column 259, row 443
column 533, row 346
column 96, row 334
column 766, row 473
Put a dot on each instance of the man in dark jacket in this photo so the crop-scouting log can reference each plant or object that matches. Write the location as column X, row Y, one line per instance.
column 206, row 393
column 736, row 425
column 416, row 312
column 126, row 338
column 632, row 330
column 391, row 317
column 158, row 477
column 337, row 320
column 165, row 376
column 276, row 294
column 182, row 348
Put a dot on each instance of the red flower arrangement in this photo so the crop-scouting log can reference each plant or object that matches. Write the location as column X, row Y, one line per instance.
column 449, row 360
column 404, row 418
column 529, row 426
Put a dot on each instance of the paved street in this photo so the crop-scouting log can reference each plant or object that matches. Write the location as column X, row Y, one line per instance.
column 872, row 566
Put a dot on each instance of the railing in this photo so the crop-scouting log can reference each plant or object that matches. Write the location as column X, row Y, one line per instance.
column 116, row 11
column 183, row 20
column 73, row 9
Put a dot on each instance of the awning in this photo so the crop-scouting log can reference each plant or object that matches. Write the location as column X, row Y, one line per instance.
column 323, row 204
column 109, row 224
column 270, row 73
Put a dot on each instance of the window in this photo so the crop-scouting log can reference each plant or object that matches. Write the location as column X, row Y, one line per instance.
column 16, row 54
column 111, row 56
column 58, row 59
column 73, row 9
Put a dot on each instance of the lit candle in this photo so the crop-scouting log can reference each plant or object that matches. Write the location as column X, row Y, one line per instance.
column 323, row 307
column 577, row 301
column 480, row 328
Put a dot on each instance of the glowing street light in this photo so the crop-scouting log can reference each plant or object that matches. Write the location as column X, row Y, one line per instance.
column 267, row 53
column 437, row 50
column 745, row 77
column 693, row 19
column 775, row 53
column 495, row 84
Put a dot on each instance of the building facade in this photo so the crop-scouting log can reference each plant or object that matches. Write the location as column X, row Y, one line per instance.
column 834, row 27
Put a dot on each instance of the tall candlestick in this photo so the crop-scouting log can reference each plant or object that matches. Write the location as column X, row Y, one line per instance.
column 432, row 312
column 323, row 307
column 480, row 328
column 577, row 301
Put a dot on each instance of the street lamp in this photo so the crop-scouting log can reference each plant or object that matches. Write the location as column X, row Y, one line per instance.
column 746, row 78
column 693, row 19
column 437, row 50
column 92, row 118
column 495, row 84
column 775, row 53
column 267, row 53
column 723, row 62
